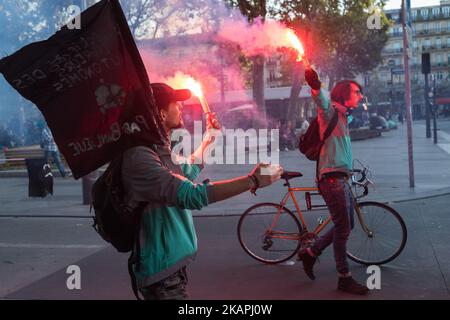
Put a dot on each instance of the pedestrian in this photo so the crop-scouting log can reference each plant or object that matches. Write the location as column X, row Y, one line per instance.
column 334, row 167
column 168, row 241
column 304, row 125
column 287, row 136
column 50, row 148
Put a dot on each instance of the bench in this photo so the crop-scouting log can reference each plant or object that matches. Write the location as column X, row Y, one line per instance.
column 365, row 133
column 15, row 157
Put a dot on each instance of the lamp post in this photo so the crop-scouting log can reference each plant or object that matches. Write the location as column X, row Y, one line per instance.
column 406, row 25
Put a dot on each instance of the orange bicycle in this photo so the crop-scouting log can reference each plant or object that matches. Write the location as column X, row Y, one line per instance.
column 271, row 233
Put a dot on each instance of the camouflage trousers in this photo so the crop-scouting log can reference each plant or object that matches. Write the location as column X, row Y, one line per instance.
column 174, row 287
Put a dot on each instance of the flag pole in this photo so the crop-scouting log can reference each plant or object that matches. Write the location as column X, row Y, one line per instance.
column 88, row 180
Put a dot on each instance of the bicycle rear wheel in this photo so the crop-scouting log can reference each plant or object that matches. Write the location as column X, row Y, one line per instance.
column 269, row 233
column 386, row 237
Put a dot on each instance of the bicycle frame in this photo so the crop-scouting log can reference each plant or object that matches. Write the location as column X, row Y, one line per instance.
column 320, row 227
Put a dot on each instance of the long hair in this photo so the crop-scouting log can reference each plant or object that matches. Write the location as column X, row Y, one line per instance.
column 341, row 91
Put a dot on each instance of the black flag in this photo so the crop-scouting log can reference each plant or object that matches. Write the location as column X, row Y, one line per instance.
column 91, row 86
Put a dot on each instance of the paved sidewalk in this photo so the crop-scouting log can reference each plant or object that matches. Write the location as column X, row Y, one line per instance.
column 387, row 157
column 39, row 238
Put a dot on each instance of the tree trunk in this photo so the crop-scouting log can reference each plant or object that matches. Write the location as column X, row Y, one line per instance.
column 295, row 91
column 258, row 91
column 331, row 83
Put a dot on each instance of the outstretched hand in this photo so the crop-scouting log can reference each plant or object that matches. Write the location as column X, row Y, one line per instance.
column 312, row 78
column 266, row 174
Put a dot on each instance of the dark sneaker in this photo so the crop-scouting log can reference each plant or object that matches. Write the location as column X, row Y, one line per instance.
column 308, row 263
column 349, row 285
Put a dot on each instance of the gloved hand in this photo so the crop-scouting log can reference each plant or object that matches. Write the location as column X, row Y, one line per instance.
column 312, row 79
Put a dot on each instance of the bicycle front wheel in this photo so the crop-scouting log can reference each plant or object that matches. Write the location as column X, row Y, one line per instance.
column 269, row 233
column 383, row 241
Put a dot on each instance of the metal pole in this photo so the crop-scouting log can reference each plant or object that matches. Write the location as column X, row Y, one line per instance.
column 406, row 5
column 427, row 108
column 434, row 112
column 392, row 90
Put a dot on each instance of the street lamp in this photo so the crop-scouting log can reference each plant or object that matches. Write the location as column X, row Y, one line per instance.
column 391, row 64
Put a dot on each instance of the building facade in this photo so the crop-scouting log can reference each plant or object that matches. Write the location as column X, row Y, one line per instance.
column 430, row 34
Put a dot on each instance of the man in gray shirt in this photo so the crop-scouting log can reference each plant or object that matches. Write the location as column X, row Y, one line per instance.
column 168, row 241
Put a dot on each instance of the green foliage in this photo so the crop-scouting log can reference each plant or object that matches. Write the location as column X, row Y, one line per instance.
column 335, row 34
column 25, row 21
column 252, row 9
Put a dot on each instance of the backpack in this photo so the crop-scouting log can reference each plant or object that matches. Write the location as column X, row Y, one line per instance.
column 310, row 143
column 113, row 220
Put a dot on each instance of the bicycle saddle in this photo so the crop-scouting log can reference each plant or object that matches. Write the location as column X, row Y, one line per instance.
column 287, row 175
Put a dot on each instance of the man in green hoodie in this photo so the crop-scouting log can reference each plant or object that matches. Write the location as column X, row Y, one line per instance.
column 168, row 241
column 334, row 167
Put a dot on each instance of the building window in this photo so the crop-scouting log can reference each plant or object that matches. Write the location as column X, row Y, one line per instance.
column 424, row 13
column 427, row 44
column 397, row 47
column 448, row 58
column 446, row 11
column 437, row 27
column 438, row 43
column 425, row 27
column 435, row 12
column 448, row 42
column 415, row 44
column 414, row 14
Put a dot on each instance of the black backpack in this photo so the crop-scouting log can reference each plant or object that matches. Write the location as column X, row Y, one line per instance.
column 310, row 143
column 113, row 220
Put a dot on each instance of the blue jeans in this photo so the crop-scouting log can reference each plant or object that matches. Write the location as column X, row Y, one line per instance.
column 338, row 197
column 57, row 159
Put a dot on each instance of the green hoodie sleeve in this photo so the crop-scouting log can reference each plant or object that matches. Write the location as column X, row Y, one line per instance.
column 191, row 171
column 321, row 100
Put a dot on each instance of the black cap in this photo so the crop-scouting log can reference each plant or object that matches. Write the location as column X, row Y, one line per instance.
column 165, row 94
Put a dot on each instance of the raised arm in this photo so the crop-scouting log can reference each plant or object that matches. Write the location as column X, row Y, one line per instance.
column 319, row 96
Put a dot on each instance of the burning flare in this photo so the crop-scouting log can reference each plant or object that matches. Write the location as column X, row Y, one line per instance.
column 194, row 86
column 295, row 43
column 183, row 81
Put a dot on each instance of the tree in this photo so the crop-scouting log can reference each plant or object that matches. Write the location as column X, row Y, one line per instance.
column 336, row 37
column 255, row 9
column 24, row 21
column 149, row 19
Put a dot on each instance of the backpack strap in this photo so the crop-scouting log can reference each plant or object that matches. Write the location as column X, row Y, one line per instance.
column 328, row 131
column 331, row 125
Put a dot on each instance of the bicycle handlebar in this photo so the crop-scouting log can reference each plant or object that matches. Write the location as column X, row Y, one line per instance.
column 362, row 181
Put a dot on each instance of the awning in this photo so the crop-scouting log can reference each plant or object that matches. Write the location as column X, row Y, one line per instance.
column 443, row 100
